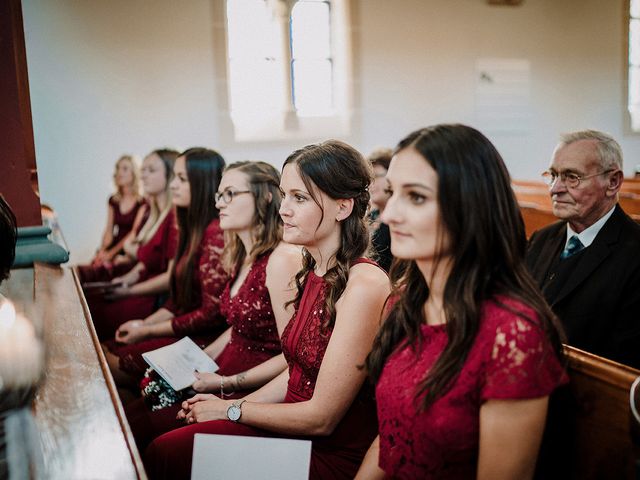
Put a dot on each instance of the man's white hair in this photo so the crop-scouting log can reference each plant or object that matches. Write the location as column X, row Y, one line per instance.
column 609, row 150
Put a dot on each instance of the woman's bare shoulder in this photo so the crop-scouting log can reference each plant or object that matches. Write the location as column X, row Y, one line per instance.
column 368, row 279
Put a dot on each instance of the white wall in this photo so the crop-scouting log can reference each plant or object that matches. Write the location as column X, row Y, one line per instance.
column 418, row 61
column 114, row 77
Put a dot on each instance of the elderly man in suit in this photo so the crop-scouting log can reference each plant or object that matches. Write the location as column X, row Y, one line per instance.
column 588, row 263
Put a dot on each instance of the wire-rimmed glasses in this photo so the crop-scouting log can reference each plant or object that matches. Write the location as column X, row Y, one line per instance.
column 570, row 179
column 227, row 196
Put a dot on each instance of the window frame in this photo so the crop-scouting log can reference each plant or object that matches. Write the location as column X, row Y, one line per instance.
column 628, row 115
column 286, row 126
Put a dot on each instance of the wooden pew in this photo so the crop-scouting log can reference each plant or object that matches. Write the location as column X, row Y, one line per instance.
column 83, row 430
column 631, row 184
column 537, row 184
column 535, row 202
column 589, row 429
column 532, row 193
column 536, row 217
column 630, row 202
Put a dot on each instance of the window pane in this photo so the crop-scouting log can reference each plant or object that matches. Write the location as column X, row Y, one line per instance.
column 634, row 86
column 635, row 8
column 251, row 30
column 310, row 30
column 634, row 42
column 254, row 85
column 312, row 86
column 635, row 118
column 254, row 77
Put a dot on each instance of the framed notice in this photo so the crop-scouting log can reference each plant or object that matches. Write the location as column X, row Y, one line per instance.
column 503, row 95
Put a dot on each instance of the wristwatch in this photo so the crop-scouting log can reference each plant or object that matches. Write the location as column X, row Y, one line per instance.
column 234, row 412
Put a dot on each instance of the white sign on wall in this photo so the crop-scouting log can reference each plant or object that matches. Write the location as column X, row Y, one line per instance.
column 503, row 95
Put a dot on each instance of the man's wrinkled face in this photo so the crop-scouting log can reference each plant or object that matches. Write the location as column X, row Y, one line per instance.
column 583, row 205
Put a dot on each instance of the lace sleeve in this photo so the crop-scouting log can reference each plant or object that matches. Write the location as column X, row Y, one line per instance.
column 521, row 363
column 212, row 278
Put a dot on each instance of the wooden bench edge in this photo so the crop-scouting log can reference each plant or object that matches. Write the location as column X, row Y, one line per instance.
column 111, row 386
column 605, row 370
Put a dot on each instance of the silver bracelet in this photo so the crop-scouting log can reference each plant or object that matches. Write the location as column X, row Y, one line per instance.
column 222, row 386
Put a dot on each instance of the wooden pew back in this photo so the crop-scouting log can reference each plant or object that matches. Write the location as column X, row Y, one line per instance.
column 533, row 195
column 630, row 202
column 536, row 218
column 535, row 202
column 631, row 185
column 590, row 422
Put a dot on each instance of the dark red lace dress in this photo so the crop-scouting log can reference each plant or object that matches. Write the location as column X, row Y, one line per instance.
column 304, row 343
column 254, row 336
column 203, row 322
column 254, row 340
column 511, row 358
column 155, row 254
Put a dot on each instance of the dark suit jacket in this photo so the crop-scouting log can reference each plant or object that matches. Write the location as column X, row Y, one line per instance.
column 381, row 243
column 595, row 293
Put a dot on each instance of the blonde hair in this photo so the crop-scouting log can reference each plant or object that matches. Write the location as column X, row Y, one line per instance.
column 157, row 216
column 135, row 172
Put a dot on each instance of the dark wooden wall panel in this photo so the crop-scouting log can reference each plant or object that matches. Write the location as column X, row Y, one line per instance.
column 18, row 173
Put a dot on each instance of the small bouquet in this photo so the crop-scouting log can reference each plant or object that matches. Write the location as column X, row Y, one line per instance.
column 157, row 393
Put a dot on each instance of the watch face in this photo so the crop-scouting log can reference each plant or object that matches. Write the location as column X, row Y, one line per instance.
column 233, row 413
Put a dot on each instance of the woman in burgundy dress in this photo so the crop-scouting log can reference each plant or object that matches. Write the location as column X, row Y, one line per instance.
column 254, row 301
column 141, row 276
column 138, row 283
column 321, row 396
column 469, row 353
column 124, row 214
column 197, row 276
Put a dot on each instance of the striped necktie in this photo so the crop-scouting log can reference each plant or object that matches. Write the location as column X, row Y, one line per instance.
column 574, row 245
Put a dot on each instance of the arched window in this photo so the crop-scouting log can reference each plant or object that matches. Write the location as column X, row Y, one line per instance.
column 288, row 68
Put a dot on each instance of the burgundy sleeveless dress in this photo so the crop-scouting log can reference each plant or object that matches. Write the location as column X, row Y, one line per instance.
column 123, row 222
column 254, row 340
column 304, row 343
column 155, row 254
column 511, row 358
column 203, row 322
column 122, row 225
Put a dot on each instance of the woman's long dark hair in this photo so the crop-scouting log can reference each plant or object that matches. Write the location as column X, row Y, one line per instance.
column 341, row 172
column 480, row 214
column 204, row 171
column 264, row 185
